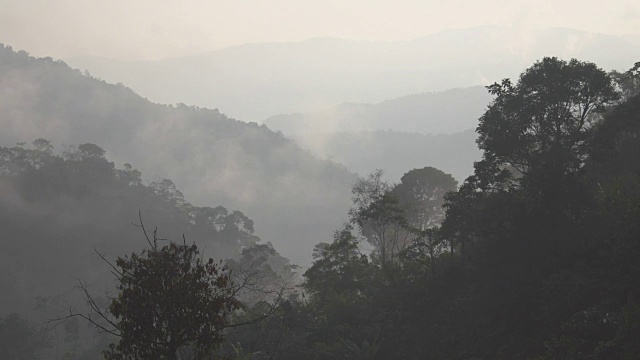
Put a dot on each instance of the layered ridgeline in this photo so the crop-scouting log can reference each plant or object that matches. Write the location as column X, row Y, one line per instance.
column 395, row 152
column 255, row 81
column 444, row 112
column 59, row 207
column 295, row 199
column 434, row 129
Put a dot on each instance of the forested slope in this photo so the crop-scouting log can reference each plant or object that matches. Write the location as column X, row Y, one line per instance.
column 294, row 198
column 537, row 256
column 58, row 209
column 255, row 81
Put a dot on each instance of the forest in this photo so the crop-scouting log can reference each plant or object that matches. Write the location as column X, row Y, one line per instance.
column 535, row 255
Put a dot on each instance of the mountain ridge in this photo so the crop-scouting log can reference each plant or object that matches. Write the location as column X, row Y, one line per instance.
column 444, row 112
column 255, row 81
column 397, row 152
column 295, row 199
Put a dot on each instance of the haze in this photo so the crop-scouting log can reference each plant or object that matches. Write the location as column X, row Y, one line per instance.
column 339, row 180
column 145, row 29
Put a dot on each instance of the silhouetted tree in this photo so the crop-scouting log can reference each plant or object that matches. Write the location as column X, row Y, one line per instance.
column 169, row 301
column 421, row 196
column 539, row 127
column 378, row 215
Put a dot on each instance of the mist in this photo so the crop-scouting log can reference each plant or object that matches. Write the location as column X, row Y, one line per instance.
column 319, row 180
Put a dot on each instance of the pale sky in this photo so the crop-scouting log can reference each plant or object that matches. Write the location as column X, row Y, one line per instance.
column 153, row 29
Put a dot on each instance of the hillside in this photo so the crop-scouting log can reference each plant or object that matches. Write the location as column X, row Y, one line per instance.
column 295, row 199
column 57, row 209
column 443, row 112
column 397, row 152
column 429, row 129
column 255, row 81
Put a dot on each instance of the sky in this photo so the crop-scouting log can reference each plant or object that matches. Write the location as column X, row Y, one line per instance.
column 155, row 29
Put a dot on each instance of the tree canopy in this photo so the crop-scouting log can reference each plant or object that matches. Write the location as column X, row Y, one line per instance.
column 542, row 252
column 534, row 256
column 169, row 301
column 543, row 122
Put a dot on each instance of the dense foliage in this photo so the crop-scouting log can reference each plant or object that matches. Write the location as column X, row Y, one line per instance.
column 57, row 210
column 170, row 302
column 534, row 256
column 212, row 159
column 538, row 253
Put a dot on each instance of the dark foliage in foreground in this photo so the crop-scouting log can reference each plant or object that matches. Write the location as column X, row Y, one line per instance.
column 538, row 256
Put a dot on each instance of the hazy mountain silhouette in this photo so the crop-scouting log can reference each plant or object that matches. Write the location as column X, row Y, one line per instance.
column 359, row 135
column 444, row 112
column 397, row 152
column 59, row 205
column 255, row 81
column 295, row 199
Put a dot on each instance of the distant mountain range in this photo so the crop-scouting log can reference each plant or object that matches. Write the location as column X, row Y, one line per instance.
column 254, row 81
column 295, row 199
column 352, row 134
column 444, row 112
column 397, row 152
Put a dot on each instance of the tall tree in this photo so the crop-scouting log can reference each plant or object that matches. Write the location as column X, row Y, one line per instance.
column 341, row 285
column 378, row 216
column 421, row 196
column 169, row 300
column 540, row 126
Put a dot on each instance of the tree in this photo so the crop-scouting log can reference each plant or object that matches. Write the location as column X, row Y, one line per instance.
column 341, row 286
column 171, row 304
column 264, row 275
column 628, row 82
column 20, row 340
column 378, row 215
column 43, row 145
column 265, row 279
column 392, row 217
column 477, row 208
column 169, row 300
column 540, row 126
column 338, row 268
column 86, row 187
column 227, row 232
column 421, row 196
column 424, row 249
column 87, row 151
